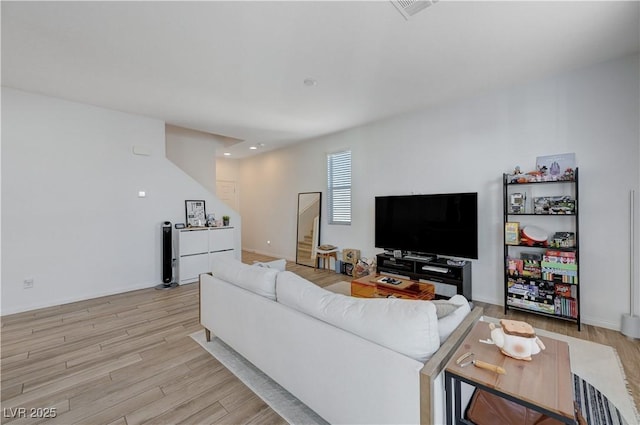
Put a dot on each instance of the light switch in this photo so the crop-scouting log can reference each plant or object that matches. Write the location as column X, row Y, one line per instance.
column 141, row 150
column 142, row 194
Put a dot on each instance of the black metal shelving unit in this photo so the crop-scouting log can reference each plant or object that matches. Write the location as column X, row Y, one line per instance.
column 544, row 298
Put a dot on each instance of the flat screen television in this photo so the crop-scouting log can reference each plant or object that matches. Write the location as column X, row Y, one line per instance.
column 442, row 224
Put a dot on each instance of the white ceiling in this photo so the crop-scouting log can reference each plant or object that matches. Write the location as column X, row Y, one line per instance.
column 237, row 68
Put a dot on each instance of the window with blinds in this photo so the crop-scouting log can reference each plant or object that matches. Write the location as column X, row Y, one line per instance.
column 339, row 187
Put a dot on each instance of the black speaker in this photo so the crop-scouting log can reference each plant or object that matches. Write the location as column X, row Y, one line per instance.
column 167, row 254
column 167, row 257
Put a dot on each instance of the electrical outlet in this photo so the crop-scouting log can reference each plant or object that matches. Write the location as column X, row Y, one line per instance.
column 268, row 242
column 27, row 284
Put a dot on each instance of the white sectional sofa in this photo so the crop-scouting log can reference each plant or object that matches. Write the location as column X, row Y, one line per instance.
column 351, row 360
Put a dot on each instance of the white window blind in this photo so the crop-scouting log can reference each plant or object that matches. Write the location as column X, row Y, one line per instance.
column 339, row 187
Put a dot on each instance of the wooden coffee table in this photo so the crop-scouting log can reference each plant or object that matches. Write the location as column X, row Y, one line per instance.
column 543, row 384
column 372, row 286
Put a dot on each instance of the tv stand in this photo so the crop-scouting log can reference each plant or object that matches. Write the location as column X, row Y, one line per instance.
column 449, row 277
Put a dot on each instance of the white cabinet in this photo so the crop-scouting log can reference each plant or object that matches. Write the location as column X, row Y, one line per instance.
column 197, row 249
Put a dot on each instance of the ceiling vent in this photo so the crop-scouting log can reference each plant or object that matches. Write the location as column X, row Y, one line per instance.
column 408, row 8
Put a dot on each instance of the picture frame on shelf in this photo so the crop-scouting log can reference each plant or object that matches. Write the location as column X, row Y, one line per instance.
column 195, row 213
column 557, row 167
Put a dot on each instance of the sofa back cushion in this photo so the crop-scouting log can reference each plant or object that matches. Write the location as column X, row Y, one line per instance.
column 405, row 326
column 279, row 265
column 259, row 280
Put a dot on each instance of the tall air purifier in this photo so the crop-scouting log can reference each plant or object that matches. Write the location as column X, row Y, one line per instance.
column 167, row 257
column 631, row 322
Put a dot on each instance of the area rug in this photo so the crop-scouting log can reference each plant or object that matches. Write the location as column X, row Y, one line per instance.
column 594, row 406
column 600, row 385
column 280, row 400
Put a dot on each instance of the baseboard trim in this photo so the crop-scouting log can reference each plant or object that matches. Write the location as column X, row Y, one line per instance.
column 587, row 320
column 63, row 301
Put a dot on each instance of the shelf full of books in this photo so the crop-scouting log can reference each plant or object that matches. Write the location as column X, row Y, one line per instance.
column 541, row 247
column 546, row 283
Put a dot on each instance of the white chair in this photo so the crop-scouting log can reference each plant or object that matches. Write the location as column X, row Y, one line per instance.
column 325, row 255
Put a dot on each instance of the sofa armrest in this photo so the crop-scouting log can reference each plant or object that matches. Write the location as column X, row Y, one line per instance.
column 437, row 362
column 207, row 332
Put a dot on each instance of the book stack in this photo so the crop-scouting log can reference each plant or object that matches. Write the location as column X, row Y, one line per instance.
column 560, row 267
column 535, row 295
column 544, row 283
column 528, row 265
column 515, row 266
column 565, row 302
column 531, row 265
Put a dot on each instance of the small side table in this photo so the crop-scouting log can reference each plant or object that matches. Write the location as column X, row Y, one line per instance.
column 543, row 384
column 326, row 257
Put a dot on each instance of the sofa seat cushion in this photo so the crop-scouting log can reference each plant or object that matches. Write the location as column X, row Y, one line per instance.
column 405, row 326
column 259, row 280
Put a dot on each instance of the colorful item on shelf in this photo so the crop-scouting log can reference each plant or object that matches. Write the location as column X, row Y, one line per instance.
column 534, row 234
column 517, row 203
column 560, row 266
column 563, row 240
column 515, row 266
column 512, row 233
column 554, row 205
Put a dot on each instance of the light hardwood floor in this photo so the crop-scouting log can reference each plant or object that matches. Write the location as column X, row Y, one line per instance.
column 128, row 359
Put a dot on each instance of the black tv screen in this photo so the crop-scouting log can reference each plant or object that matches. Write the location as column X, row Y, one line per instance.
column 443, row 224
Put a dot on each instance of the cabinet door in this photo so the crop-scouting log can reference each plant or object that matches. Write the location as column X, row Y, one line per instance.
column 221, row 239
column 192, row 265
column 230, row 253
column 193, row 242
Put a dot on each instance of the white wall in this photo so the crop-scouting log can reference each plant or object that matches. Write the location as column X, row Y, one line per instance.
column 227, row 169
column 71, row 216
column 465, row 146
column 194, row 152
